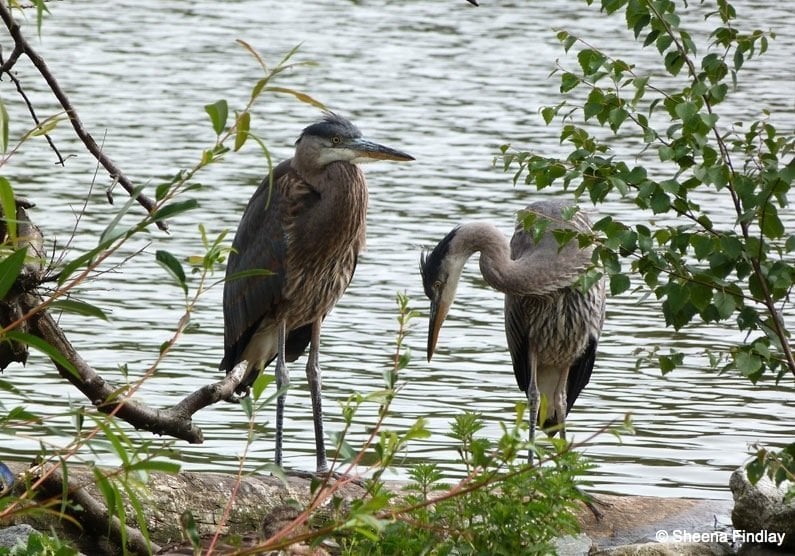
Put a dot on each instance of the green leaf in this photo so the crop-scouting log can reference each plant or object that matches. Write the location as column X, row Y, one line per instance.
column 3, row 128
column 242, row 130
column 686, row 110
column 669, row 362
column 218, row 112
column 169, row 211
column 674, row 62
column 619, row 283
column 9, row 207
column 78, row 308
column 249, row 274
column 747, row 363
column 700, row 295
column 303, row 97
column 40, row 345
column 755, row 470
column 772, row 226
column 724, row 303
column 110, row 234
column 44, row 127
column 548, row 113
column 10, row 268
column 174, row 267
column 590, row 60
column 568, row 81
column 261, row 383
column 170, row 467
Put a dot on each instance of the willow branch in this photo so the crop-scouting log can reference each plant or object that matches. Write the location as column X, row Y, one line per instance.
column 32, row 111
column 175, row 421
column 21, row 44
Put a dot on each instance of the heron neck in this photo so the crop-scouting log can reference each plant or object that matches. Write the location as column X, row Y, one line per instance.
column 533, row 272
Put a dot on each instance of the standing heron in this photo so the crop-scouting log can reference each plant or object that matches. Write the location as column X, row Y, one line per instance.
column 307, row 230
column 552, row 327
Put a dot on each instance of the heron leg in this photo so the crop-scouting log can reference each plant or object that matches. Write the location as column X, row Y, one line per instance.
column 560, row 402
column 315, row 386
column 282, row 382
column 534, row 401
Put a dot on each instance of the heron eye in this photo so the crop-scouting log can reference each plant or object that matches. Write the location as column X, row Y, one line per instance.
column 336, row 140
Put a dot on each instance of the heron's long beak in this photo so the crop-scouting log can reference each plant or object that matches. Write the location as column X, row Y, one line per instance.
column 438, row 314
column 368, row 149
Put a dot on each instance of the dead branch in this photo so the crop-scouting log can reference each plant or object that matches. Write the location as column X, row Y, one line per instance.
column 21, row 46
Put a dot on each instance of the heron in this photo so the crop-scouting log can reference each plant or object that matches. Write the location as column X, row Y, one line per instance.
column 552, row 327
column 305, row 226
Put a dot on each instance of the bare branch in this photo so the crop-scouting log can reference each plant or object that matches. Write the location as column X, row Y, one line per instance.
column 20, row 43
column 174, row 421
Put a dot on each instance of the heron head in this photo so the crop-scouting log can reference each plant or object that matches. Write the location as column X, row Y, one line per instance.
column 335, row 138
column 440, row 269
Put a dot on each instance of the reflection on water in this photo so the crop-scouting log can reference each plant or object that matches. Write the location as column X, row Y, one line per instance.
column 448, row 84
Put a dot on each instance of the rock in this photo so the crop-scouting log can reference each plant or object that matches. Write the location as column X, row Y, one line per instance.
column 16, row 534
column 669, row 549
column 573, row 546
column 635, row 520
column 760, row 515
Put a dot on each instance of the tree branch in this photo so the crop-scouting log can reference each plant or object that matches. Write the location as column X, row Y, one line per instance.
column 20, row 43
column 175, row 421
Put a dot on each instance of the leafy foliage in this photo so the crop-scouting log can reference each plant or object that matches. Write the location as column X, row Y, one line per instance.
column 503, row 506
column 738, row 273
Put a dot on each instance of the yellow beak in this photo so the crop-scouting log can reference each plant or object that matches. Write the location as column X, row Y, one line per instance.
column 438, row 314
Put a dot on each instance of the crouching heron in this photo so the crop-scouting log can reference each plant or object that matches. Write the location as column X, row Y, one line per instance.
column 552, row 327
column 307, row 230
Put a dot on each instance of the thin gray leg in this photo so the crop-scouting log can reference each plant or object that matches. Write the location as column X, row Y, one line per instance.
column 282, row 381
column 315, row 387
column 561, row 402
column 534, row 400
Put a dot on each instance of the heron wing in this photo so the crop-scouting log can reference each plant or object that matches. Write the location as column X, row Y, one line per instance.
column 580, row 373
column 259, row 245
column 516, row 327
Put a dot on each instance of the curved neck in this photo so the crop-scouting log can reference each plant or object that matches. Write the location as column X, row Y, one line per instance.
column 536, row 270
column 496, row 265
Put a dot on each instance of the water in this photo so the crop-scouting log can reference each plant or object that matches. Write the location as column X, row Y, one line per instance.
column 442, row 80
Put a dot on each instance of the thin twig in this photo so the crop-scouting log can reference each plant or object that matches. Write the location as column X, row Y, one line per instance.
column 115, row 172
column 26, row 100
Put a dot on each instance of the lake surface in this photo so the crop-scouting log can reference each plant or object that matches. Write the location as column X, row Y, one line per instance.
column 442, row 80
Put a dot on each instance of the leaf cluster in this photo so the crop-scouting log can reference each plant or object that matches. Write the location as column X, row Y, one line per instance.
column 740, row 273
column 503, row 506
column 693, row 160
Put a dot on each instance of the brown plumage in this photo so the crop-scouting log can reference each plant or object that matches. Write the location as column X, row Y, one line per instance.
column 551, row 326
column 307, row 231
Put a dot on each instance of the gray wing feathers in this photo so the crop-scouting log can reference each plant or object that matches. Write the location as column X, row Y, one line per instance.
column 516, row 332
column 259, row 244
column 580, row 373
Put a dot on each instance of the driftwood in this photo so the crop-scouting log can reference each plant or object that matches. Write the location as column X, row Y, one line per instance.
column 264, row 505
column 260, row 507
